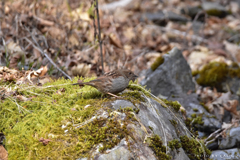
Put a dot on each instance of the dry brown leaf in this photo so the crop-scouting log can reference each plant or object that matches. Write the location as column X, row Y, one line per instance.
column 16, row 53
column 231, row 106
column 114, row 40
column 129, row 33
column 44, row 70
column 233, row 49
column 81, row 70
column 38, row 73
column 43, row 80
column 55, row 32
column 44, row 141
column 37, row 54
column 3, row 153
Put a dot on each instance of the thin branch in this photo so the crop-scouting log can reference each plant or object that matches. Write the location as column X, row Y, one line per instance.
column 99, row 35
column 44, row 53
column 94, row 25
column 194, row 20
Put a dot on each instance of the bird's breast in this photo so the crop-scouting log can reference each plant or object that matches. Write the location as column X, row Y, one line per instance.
column 119, row 84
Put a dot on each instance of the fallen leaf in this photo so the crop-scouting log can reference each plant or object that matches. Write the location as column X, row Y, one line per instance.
column 231, row 106
column 3, row 153
column 44, row 141
column 114, row 40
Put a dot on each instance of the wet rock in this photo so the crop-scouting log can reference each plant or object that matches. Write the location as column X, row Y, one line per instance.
column 173, row 77
column 233, row 154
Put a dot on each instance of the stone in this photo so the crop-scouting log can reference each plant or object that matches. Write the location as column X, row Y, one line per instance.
column 172, row 78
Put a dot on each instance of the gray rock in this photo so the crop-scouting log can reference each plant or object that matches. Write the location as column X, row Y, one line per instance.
column 158, row 18
column 192, row 12
column 173, row 77
column 151, row 115
column 233, row 154
column 161, row 18
column 176, row 17
column 192, row 106
column 232, row 139
column 122, row 104
column 232, row 84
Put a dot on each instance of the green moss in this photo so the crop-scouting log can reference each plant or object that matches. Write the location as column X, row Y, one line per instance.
column 49, row 108
column 136, row 87
column 136, row 110
column 214, row 73
column 194, row 73
column 158, row 148
column 133, row 96
column 150, row 128
column 194, row 122
column 158, row 62
column 205, row 107
column 193, row 149
column 107, row 132
column 216, row 12
column 173, row 122
column 129, row 113
column 195, row 109
column 176, row 106
column 174, row 144
column 194, row 115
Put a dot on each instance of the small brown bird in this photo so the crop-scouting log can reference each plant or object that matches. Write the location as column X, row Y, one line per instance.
column 111, row 82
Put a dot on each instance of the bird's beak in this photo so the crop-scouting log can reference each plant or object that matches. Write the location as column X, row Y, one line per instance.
column 135, row 76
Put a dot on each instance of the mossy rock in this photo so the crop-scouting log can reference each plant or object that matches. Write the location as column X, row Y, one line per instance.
column 196, row 150
column 156, row 144
column 157, row 63
column 53, row 112
column 215, row 73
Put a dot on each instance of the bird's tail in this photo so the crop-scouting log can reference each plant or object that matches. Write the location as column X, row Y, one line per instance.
column 80, row 84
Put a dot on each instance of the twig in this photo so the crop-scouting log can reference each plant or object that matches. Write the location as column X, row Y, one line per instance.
column 140, row 55
column 94, row 25
column 43, row 21
column 43, row 53
column 99, row 35
column 216, row 134
column 194, row 20
column 20, row 108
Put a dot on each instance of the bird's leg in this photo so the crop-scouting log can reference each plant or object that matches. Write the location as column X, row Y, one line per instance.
column 113, row 95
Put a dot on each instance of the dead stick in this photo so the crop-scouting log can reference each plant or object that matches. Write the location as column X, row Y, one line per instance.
column 99, row 35
column 45, row 54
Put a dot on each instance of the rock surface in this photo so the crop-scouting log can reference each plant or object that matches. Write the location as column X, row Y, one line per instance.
column 193, row 106
column 172, row 78
column 151, row 119
column 231, row 140
column 233, row 154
